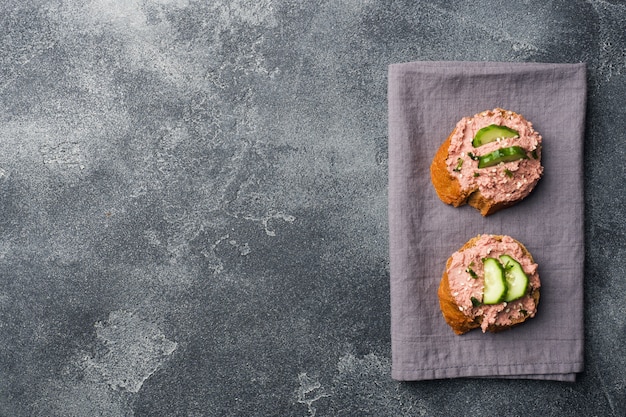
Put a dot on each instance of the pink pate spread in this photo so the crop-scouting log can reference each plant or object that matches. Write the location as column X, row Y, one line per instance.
column 506, row 181
column 463, row 286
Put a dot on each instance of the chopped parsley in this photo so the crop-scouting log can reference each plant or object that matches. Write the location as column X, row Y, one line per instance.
column 475, row 302
column 472, row 156
column 472, row 273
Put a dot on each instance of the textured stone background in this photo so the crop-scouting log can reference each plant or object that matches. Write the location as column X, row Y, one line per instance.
column 194, row 211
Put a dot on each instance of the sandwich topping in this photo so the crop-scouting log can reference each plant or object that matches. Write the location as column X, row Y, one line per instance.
column 493, row 279
column 497, row 152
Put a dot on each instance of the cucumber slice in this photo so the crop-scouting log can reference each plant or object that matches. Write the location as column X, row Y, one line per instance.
column 495, row 284
column 493, row 132
column 512, row 153
column 516, row 279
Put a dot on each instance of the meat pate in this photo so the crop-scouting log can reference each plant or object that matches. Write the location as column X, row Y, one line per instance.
column 505, row 181
column 467, row 288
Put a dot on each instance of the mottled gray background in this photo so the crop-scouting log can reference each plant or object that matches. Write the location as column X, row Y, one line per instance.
column 193, row 204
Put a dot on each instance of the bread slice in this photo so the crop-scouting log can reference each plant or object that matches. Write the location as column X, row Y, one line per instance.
column 447, row 185
column 461, row 321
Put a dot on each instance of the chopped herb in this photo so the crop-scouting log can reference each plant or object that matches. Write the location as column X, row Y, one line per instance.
column 534, row 154
column 472, row 156
column 459, row 164
column 475, row 302
column 524, row 312
column 476, row 174
column 471, row 272
column 508, row 173
column 508, row 265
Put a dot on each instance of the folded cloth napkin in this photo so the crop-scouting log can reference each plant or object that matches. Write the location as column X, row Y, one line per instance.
column 426, row 99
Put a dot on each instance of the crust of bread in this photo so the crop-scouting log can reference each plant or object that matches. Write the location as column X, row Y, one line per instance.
column 456, row 319
column 449, row 190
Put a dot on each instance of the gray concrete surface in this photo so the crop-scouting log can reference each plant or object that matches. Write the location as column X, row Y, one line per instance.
column 194, row 211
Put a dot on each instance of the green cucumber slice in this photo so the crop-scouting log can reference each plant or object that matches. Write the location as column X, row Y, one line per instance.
column 512, row 153
column 491, row 133
column 495, row 284
column 516, row 279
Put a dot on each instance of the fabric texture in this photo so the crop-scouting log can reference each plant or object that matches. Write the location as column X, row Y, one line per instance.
column 426, row 99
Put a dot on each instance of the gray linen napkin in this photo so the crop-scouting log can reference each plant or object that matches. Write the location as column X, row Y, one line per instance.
column 426, row 99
